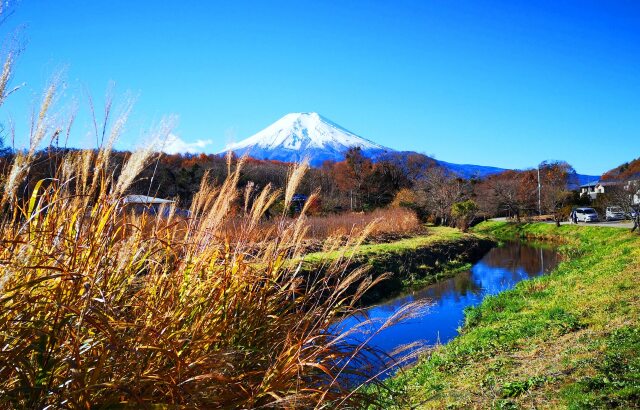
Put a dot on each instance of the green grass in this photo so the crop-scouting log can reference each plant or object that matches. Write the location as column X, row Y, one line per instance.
column 415, row 262
column 444, row 271
column 435, row 234
column 569, row 339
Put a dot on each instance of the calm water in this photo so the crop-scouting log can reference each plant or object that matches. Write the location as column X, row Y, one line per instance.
column 499, row 270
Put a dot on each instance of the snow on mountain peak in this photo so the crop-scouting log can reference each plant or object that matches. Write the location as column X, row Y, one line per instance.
column 304, row 131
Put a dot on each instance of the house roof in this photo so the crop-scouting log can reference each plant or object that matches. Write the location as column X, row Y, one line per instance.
column 610, row 182
column 146, row 200
column 589, row 184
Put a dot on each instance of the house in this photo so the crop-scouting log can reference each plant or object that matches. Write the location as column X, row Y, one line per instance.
column 603, row 187
column 595, row 188
column 589, row 189
column 152, row 205
column 633, row 186
column 145, row 201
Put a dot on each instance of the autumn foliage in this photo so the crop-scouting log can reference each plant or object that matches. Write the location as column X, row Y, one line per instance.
column 626, row 171
column 515, row 193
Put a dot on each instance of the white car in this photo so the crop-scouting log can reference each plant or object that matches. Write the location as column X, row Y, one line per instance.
column 586, row 215
column 614, row 213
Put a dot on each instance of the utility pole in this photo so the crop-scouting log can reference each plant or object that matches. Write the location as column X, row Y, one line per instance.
column 539, row 193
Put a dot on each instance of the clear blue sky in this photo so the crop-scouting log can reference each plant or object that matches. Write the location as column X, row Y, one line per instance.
column 507, row 83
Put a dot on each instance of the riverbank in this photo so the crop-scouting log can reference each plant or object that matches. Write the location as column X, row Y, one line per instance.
column 567, row 339
column 414, row 262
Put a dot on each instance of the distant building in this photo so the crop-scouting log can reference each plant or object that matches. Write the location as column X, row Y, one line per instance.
column 595, row 188
column 633, row 186
column 604, row 186
column 145, row 200
column 589, row 190
column 152, row 205
column 298, row 201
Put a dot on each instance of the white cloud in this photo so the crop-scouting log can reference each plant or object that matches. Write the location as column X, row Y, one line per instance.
column 175, row 145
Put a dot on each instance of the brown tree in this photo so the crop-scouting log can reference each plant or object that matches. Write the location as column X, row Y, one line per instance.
column 626, row 195
column 556, row 180
column 442, row 190
column 504, row 194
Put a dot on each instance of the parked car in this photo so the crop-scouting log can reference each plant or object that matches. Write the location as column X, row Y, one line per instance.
column 586, row 215
column 614, row 213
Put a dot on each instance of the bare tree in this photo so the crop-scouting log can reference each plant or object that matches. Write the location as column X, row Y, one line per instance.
column 633, row 187
column 626, row 195
column 503, row 194
column 556, row 179
column 442, row 190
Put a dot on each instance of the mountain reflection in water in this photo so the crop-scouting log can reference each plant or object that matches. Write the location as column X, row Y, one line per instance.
column 500, row 269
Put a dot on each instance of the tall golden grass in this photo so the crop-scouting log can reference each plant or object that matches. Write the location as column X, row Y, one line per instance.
column 392, row 220
column 99, row 307
column 381, row 222
column 95, row 310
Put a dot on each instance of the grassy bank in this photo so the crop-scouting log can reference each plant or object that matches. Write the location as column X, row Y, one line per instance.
column 570, row 339
column 414, row 262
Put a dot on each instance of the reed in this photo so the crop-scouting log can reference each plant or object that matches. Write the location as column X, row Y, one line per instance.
column 392, row 220
column 101, row 307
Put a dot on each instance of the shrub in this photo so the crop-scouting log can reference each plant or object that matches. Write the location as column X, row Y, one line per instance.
column 464, row 212
column 406, row 198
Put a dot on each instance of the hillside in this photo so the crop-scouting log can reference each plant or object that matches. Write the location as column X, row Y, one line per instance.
column 627, row 170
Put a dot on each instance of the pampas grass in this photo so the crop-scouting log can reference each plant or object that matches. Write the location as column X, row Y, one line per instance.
column 101, row 307
column 393, row 220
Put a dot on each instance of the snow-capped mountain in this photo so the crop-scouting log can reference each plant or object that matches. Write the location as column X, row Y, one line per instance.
column 299, row 135
column 309, row 135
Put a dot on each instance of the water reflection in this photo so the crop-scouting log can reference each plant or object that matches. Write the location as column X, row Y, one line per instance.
column 499, row 270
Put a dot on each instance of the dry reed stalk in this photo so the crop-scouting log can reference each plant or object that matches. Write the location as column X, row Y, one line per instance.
column 5, row 76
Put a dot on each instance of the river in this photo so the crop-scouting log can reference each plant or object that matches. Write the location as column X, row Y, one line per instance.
column 500, row 269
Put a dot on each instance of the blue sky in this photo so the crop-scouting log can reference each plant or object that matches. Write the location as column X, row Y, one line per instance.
column 506, row 83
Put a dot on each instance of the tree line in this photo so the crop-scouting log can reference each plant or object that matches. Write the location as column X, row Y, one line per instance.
column 356, row 183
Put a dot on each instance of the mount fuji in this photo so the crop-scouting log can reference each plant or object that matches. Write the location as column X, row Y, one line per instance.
column 304, row 135
column 301, row 135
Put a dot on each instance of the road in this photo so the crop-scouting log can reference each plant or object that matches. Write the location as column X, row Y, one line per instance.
column 611, row 224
